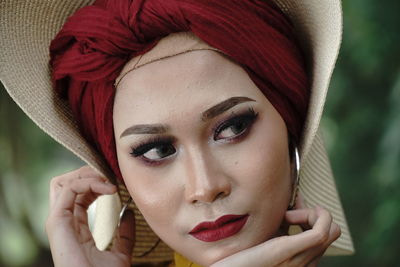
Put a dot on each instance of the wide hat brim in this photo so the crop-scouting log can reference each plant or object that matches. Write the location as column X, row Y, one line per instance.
column 27, row 27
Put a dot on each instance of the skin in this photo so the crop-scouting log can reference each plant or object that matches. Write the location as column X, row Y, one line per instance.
column 205, row 179
column 240, row 170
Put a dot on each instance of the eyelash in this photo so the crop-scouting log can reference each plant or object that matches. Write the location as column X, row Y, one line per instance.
column 247, row 117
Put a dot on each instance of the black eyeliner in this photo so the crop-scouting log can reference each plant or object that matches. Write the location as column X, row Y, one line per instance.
column 149, row 144
column 249, row 115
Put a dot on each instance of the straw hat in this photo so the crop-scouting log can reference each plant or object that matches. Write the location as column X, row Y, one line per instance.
column 27, row 27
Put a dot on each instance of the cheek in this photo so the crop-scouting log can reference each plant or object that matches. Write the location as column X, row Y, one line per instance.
column 272, row 173
column 261, row 164
column 154, row 194
column 262, row 171
column 269, row 171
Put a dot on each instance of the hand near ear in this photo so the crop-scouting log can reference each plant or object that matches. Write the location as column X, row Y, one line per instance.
column 303, row 249
column 71, row 241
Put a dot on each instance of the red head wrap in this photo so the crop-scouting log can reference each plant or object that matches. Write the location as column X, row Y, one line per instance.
column 97, row 41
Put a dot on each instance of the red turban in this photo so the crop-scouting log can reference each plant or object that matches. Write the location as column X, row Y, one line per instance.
column 96, row 42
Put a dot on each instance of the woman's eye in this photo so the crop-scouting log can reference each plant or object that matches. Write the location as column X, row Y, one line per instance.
column 235, row 127
column 159, row 152
column 154, row 150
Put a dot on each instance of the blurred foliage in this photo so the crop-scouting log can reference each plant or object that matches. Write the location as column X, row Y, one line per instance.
column 28, row 159
column 361, row 126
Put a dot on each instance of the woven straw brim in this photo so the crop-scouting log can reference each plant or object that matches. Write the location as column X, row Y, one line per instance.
column 27, row 27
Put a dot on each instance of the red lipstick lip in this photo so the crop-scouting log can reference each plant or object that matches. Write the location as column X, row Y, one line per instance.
column 223, row 227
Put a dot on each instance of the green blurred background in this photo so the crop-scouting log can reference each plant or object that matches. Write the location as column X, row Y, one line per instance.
column 361, row 127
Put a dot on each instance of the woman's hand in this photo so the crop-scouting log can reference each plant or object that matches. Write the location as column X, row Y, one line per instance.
column 303, row 249
column 71, row 241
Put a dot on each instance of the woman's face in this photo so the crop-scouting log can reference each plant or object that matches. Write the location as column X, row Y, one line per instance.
column 197, row 140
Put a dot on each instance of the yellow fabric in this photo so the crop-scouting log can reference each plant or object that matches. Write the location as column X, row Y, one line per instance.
column 181, row 261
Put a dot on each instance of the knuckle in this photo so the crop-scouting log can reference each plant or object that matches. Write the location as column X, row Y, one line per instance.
column 329, row 215
column 61, row 179
column 321, row 237
column 55, row 180
column 337, row 232
column 324, row 212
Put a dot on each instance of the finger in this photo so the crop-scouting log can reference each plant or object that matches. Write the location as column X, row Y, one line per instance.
column 82, row 203
column 311, row 256
column 57, row 183
column 55, row 188
column 315, row 262
column 276, row 251
column 300, row 202
column 307, row 218
column 88, row 172
column 126, row 234
column 308, row 256
column 65, row 203
column 284, row 248
column 318, row 218
column 302, row 217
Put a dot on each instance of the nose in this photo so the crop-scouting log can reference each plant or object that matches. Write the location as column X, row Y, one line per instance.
column 205, row 179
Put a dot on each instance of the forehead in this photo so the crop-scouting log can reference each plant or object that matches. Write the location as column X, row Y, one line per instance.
column 187, row 82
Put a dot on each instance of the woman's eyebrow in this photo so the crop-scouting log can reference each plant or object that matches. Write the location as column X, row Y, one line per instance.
column 223, row 106
column 145, row 129
column 206, row 115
